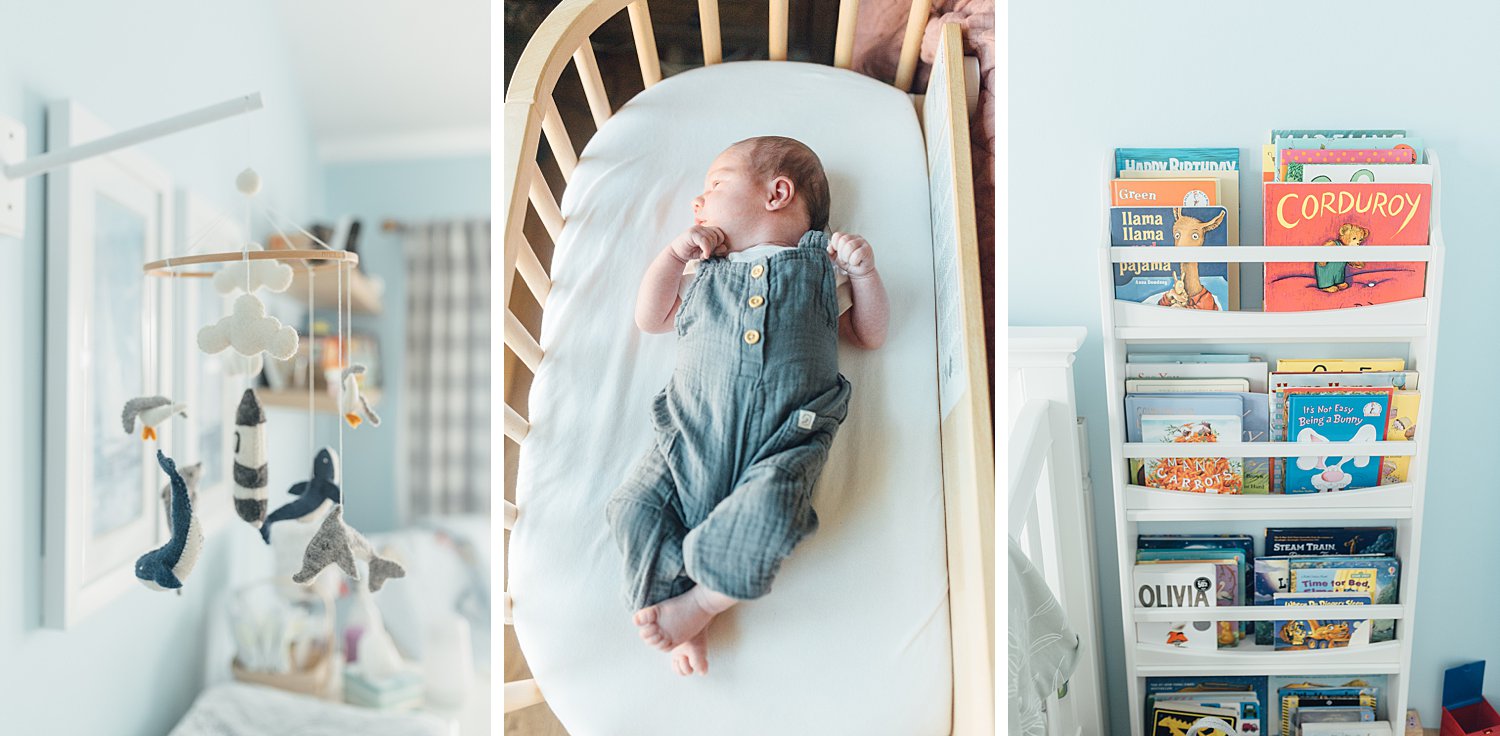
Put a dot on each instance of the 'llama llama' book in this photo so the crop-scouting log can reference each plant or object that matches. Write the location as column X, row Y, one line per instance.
column 1342, row 217
column 1164, row 283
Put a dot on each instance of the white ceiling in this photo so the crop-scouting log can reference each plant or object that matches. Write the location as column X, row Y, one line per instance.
column 392, row 78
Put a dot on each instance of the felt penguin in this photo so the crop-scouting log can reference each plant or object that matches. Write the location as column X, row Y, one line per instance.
column 250, row 460
column 338, row 544
column 351, row 402
column 149, row 411
column 165, row 568
column 312, row 495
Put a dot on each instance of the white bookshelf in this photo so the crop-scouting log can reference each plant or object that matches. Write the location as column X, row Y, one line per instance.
column 1412, row 324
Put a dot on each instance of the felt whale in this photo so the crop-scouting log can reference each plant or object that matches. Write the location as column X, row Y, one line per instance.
column 312, row 495
column 250, row 460
column 165, row 568
column 338, row 544
column 149, row 411
column 352, row 402
column 190, row 475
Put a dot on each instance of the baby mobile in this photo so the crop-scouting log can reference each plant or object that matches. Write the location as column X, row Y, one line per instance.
column 244, row 338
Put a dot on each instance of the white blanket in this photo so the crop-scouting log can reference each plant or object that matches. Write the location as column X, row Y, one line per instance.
column 854, row 637
column 237, row 709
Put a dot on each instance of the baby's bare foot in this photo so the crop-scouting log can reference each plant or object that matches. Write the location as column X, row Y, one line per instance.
column 676, row 620
column 691, row 656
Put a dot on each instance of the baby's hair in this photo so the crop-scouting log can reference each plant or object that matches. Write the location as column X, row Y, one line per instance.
column 773, row 155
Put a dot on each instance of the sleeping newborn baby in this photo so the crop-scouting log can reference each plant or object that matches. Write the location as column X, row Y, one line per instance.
column 759, row 295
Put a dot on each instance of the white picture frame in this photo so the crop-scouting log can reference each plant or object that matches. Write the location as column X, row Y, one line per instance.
column 105, row 318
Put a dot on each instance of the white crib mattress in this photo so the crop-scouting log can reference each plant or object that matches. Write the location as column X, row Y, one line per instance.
column 854, row 637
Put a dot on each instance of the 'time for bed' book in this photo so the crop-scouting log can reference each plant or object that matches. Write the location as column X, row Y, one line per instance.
column 1177, row 586
column 1165, row 283
column 1324, row 417
column 1340, row 218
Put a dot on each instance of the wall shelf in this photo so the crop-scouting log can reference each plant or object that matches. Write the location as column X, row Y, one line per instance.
column 1410, row 324
column 297, row 399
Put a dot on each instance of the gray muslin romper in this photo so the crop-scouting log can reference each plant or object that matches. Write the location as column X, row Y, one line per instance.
column 742, row 429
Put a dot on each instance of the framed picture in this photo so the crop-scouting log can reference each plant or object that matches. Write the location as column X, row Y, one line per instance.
column 105, row 322
column 203, row 381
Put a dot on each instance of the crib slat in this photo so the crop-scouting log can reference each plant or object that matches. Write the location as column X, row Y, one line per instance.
column 546, row 206
column 521, row 694
column 911, row 44
column 511, row 513
column 645, row 42
column 521, row 342
column 708, row 23
column 516, row 428
column 778, row 29
column 593, row 82
column 558, row 139
column 532, row 272
column 843, row 45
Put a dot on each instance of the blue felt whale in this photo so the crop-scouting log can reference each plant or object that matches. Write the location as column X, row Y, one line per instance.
column 312, row 494
column 165, row 568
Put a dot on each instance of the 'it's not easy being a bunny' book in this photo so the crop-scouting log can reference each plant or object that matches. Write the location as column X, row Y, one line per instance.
column 1344, row 417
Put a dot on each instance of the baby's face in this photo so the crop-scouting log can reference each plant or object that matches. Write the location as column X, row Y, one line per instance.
column 733, row 199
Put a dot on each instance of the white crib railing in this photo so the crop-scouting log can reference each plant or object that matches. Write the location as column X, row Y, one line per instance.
column 1049, row 514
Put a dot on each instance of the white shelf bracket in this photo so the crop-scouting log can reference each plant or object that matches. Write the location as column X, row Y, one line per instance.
column 14, row 171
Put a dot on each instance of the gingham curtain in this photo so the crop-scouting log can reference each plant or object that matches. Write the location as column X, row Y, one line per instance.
column 447, row 389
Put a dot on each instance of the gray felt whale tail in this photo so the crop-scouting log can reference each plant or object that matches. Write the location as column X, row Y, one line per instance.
column 338, row 544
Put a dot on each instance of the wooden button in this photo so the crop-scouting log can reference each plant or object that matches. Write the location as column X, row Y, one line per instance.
column 752, row 337
column 756, row 301
column 757, row 271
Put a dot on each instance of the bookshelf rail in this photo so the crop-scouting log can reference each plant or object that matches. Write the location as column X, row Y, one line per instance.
column 1409, row 325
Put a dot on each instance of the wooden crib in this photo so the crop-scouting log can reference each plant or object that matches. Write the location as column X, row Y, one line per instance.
column 1048, row 511
column 967, row 428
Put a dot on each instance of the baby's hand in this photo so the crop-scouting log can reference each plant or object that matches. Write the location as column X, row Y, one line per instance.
column 851, row 253
column 699, row 241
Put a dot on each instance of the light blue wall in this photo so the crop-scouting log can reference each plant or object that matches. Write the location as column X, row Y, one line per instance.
column 412, row 191
column 1086, row 77
column 133, row 668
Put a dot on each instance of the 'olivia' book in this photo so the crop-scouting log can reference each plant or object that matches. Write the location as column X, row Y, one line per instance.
column 1164, row 283
column 1176, row 586
column 1325, row 417
column 1342, row 217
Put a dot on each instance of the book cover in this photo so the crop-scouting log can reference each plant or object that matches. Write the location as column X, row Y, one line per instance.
column 1344, row 728
column 1177, row 159
column 1292, row 158
column 1272, row 576
column 1387, row 581
column 1253, row 709
column 1193, row 474
column 1230, row 566
column 1229, row 199
column 1335, row 133
column 1292, row 697
column 1340, row 540
column 1165, row 283
column 1189, row 358
column 1324, row 417
column 1360, row 173
column 1402, row 428
column 1176, row 586
column 1325, row 580
column 1175, row 719
column 1299, row 634
column 1164, row 192
column 1254, row 426
column 1341, row 217
column 1283, row 144
column 1339, row 365
column 1255, row 372
column 1148, row 547
column 1186, row 385
column 1285, row 385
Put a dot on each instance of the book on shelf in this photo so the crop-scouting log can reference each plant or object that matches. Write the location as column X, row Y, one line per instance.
column 1400, row 148
column 1253, row 373
column 1339, row 173
column 1253, row 410
column 1343, row 725
column 1340, row 540
column 1231, row 566
column 1242, row 546
column 1293, row 159
column 1186, row 385
column 1177, row 718
column 1246, row 692
column 1164, row 192
column 1166, row 283
column 1191, row 160
column 1340, row 365
column 1182, row 585
column 1402, row 428
column 1193, row 474
column 1278, row 575
column 1301, row 634
column 1189, row 358
column 1229, row 199
column 1298, row 694
column 1340, row 218
column 1320, row 416
column 1339, row 381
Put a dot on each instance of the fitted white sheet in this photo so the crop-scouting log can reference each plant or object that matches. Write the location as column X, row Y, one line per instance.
column 854, row 637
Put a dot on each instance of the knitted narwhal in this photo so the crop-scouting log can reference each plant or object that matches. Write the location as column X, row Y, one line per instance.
column 250, row 460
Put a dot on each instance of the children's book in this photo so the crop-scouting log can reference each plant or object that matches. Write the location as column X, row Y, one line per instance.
column 1165, row 283
column 1335, row 417
column 1341, row 715
column 1342, row 217
column 1273, row 576
column 1146, row 544
column 1360, row 173
column 1402, row 428
column 1189, row 358
column 1284, row 385
column 1387, row 581
column 1164, row 192
column 1176, row 719
column 1186, row 385
column 1229, row 199
column 1293, row 159
column 1177, row 159
column 1356, row 580
column 1243, row 704
column 1254, row 426
column 1295, row 695
column 1219, row 475
column 1250, row 691
column 1340, row 365
column 1327, row 133
column 1321, row 633
column 1231, row 566
column 1176, row 586
column 1345, row 728
column 1341, row 540
column 1254, row 373
column 1407, row 147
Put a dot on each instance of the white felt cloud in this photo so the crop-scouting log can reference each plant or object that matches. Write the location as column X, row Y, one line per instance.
column 249, row 331
column 272, row 275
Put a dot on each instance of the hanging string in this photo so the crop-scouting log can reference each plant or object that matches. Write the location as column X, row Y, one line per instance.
column 245, row 259
column 310, row 415
column 343, row 363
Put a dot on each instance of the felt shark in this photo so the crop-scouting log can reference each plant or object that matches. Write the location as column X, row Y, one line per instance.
column 165, row 567
column 149, row 411
column 337, row 544
column 250, row 471
column 314, row 494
